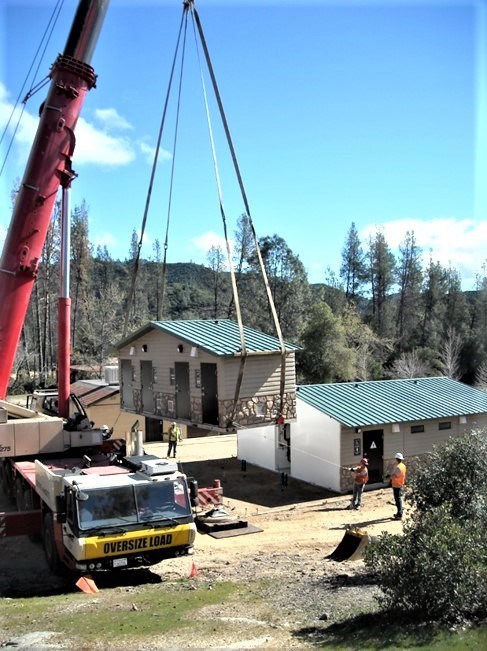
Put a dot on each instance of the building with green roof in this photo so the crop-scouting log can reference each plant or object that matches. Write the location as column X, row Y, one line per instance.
column 206, row 373
column 338, row 424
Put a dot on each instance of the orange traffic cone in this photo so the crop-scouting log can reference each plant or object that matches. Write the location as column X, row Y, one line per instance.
column 87, row 584
column 194, row 571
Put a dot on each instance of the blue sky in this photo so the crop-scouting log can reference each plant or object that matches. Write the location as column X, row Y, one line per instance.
column 371, row 112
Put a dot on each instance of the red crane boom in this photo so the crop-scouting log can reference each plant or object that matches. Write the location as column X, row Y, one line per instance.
column 48, row 167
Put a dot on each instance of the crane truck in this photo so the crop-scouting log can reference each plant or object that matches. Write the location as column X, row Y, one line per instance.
column 94, row 503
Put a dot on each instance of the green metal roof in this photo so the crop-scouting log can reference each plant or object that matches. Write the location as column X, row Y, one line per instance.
column 356, row 404
column 220, row 337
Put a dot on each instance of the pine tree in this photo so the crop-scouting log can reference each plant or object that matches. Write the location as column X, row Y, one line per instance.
column 381, row 268
column 325, row 356
column 433, row 306
column 216, row 261
column 80, row 269
column 409, row 279
column 243, row 249
column 352, row 269
column 289, row 287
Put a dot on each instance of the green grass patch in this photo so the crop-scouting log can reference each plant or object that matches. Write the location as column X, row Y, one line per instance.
column 149, row 614
column 118, row 613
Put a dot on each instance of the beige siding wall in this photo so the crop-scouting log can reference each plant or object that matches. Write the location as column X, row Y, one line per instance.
column 163, row 353
column 347, row 457
column 108, row 412
column 416, row 443
column 261, row 377
column 411, row 445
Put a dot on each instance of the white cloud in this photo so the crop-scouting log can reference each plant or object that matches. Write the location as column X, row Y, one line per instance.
column 111, row 119
column 457, row 243
column 120, row 249
column 26, row 128
column 98, row 147
column 105, row 239
column 148, row 151
column 205, row 241
column 93, row 145
column 147, row 240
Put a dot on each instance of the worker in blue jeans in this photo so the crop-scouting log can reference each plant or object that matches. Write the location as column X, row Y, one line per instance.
column 361, row 477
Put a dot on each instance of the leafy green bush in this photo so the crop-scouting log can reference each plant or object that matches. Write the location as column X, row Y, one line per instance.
column 453, row 474
column 438, row 568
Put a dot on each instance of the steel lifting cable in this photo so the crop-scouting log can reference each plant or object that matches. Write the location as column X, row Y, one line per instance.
column 46, row 37
column 171, row 183
column 243, row 352
column 130, row 298
column 246, row 204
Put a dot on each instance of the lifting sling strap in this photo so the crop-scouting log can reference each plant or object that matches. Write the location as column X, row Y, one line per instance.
column 277, row 326
column 131, row 295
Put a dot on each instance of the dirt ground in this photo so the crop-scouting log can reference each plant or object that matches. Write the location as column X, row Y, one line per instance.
column 299, row 514
column 300, row 526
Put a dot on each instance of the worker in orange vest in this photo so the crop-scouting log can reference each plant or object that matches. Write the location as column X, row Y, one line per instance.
column 398, row 479
column 360, row 479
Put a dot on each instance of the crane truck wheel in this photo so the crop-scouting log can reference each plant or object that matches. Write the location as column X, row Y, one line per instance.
column 49, row 543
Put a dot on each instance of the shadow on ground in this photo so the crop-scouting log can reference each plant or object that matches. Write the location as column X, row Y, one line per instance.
column 377, row 630
column 249, row 483
column 39, row 582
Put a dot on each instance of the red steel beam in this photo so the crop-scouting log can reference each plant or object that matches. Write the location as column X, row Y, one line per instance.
column 48, row 167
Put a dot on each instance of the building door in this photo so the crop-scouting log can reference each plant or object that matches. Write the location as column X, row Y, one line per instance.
column 146, row 379
column 127, row 377
column 283, row 448
column 373, row 443
column 153, row 429
column 209, row 393
column 183, row 404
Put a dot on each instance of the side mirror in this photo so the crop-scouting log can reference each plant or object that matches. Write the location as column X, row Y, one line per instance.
column 193, row 492
column 60, row 508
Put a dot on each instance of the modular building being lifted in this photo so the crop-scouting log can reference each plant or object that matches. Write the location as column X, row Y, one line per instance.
column 192, row 371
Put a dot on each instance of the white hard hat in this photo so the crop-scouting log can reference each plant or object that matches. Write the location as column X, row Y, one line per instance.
column 399, row 456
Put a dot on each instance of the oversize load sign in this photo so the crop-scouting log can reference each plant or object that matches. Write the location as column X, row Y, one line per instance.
column 123, row 546
column 134, row 542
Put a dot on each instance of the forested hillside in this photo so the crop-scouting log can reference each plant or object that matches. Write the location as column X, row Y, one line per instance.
column 380, row 316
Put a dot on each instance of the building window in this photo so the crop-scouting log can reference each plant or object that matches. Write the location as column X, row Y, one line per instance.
column 416, row 429
column 445, row 425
